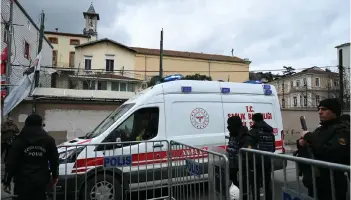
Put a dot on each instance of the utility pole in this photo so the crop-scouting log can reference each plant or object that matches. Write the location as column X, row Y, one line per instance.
column 306, row 95
column 9, row 50
column 161, row 55
column 341, row 80
column 37, row 72
column 283, row 100
column 40, row 46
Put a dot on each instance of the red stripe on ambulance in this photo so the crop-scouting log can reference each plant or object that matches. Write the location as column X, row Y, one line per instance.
column 158, row 157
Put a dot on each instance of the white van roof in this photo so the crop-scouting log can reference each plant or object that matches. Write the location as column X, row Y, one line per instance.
column 194, row 86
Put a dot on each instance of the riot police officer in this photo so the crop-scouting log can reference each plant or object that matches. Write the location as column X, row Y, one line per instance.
column 265, row 141
column 28, row 161
column 330, row 142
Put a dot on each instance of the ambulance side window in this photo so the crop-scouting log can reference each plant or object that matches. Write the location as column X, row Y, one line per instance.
column 141, row 125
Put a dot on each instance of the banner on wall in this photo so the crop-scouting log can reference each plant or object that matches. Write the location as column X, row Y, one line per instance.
column 23, row 89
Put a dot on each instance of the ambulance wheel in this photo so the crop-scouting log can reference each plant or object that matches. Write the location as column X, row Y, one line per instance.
column 103, row 187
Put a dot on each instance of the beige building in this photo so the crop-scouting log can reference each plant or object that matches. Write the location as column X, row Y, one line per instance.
column 219, row 67
column 106, row 65
column 63, row 54
column 84, row 62
column 306, row 88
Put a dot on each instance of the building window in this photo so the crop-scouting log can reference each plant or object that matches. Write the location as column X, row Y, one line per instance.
column 131, row 87
column 295, row 101
column 110, row 65
column 305, row 100
column 115, row 86
column 317, row 82
column 301, row 101
column 28, row 25
column 74, row 42
column 122, row 87
column 297, row 83
column 54, row 57
column 5, row 33
column 336, row 83
column 87, row 63
column 291, row 84
column 53, row 40
column 304, row 81
column 26, row 50
column 88, row 85
column 318, row 99
column 102, row 85
column 71, row 58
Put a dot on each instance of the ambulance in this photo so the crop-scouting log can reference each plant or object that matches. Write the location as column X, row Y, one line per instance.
column 187, row 111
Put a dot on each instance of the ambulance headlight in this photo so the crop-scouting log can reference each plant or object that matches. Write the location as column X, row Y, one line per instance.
column 70, row 155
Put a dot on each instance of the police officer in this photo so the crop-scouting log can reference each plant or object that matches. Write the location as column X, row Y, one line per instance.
column 330, row 142
column 239, row 137
column 265, row 142
column 9, row 130
column 28, row 161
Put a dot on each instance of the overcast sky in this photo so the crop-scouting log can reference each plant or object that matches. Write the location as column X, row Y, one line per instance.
column 271, row 33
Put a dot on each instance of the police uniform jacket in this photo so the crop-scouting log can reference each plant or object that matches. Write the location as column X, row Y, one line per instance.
column 29, row 156
column 330, row 142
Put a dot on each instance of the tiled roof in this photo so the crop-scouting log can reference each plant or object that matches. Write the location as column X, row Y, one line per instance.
column 105, row 40
column 193, row 55
column 343, row 45
column 171, row 53
column 66, row 34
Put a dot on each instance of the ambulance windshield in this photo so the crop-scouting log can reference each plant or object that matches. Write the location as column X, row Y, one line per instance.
column 109, row 120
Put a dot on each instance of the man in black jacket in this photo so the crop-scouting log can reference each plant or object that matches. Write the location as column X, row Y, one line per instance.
column 265, row 142
column 239, row 138
column 28, row 161
column 8, row 132
column 330, row 142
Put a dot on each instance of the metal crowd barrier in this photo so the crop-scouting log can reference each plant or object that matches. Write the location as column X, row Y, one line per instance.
column 153, row 170
column 116, row 170
column 323, row 175
column 199, row 173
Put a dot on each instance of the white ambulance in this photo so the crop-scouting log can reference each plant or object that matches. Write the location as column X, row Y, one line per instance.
column 190, row 112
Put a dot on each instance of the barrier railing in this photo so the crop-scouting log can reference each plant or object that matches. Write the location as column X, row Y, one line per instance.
column 325, row 180
column 199, row 173
column 118, row 170
column 141, row 170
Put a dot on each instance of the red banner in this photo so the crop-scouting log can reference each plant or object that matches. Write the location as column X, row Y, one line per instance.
column 3, row 73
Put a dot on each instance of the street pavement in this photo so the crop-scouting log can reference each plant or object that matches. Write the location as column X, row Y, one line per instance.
column 291, row 183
